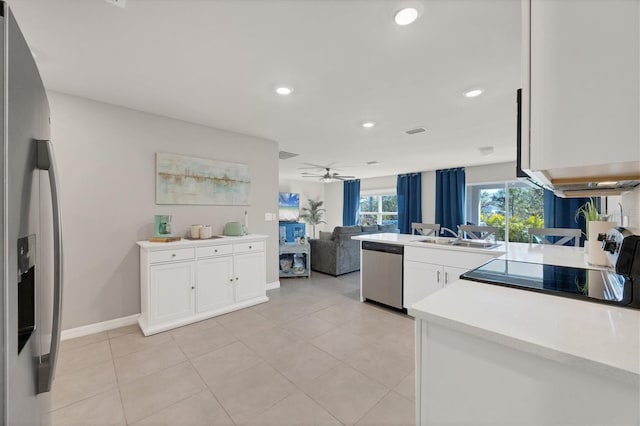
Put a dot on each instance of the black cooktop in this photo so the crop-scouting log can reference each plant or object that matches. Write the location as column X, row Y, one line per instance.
column 579, row 283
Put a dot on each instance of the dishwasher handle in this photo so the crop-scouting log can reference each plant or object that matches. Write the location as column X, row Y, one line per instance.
column 383, row 247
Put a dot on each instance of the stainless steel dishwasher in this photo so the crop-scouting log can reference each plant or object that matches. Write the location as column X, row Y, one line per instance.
column 382, row 273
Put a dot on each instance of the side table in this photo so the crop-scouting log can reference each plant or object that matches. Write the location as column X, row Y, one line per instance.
column 287, row 251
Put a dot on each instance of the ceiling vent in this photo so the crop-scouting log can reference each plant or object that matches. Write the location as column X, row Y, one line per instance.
column 284, row 155
column 119, row 3
column 416, row 130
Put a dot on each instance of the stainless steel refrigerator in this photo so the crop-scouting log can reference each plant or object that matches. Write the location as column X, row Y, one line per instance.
column 31, row 249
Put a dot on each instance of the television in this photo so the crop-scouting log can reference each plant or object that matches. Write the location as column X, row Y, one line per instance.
column 288, row 207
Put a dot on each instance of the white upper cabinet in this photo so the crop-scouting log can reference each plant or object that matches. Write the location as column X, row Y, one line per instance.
column 581, row 88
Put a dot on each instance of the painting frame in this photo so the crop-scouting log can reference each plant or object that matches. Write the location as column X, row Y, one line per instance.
column 188, row 180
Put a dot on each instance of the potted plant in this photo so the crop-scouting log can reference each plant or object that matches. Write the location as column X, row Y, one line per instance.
column 313, row 214
column 596, row 224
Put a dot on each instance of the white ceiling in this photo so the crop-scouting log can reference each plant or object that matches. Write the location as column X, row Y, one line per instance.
column 217, row 63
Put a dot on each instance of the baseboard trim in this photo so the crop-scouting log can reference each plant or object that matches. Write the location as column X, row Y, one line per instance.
column 273, row 285
column 98, row 327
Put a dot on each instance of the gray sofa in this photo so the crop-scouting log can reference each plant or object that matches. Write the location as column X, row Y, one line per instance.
column 335, row 253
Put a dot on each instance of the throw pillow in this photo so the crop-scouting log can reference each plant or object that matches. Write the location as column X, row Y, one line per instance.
column 325, row 235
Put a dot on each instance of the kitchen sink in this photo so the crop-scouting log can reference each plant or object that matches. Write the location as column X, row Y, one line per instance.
column 437, row 240
column 474, row 244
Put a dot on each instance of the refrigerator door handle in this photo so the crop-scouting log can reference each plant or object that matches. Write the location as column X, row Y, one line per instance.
column 48, row 361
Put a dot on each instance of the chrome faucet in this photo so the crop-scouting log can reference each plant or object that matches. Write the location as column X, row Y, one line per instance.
column 458, row 235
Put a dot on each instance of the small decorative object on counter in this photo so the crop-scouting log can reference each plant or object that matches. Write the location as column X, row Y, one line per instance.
column 233, row 229
column 597, row 227
column 163, row 226
column 206, row 232
column 195, row 231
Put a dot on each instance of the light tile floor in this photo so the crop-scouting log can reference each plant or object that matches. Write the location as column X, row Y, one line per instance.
column 312, row 355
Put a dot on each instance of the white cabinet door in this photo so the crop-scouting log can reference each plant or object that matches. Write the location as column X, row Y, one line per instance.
column 420, row 280
column 214, row 289
column 452, row 274
column 250, row 275
column 585, row 80
column 172, row 292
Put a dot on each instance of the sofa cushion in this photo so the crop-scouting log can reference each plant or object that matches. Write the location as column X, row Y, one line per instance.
column 346, row 230
column 388, row 228
column 370, row 228
column 325, row 235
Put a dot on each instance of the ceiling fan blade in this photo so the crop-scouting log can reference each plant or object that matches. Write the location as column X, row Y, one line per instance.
column 312, row 166
column 313, row 176
column 343, row 176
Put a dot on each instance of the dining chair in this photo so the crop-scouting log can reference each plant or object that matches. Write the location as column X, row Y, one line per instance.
column 567, row 235
column 476, row 232
column 426, row 229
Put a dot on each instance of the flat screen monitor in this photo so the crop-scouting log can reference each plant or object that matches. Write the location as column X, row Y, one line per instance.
column 288, row 207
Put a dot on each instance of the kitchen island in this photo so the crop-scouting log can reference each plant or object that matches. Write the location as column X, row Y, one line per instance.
column 488, row 354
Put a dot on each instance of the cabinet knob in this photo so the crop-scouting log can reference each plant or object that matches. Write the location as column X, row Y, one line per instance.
column 231, row 279
column 215, row 251
column 237, row 278
column 173, row 255
column 250, row 247
column 193, row 287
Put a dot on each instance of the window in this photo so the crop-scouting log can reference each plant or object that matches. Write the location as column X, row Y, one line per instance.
column 378, row 208
column 513, row 207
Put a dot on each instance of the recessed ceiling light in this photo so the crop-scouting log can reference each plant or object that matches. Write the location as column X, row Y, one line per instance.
column 607, row 183
column 406, row 16
column 473, row 93
column 368, row 124
column 284, row 90
column 485, row 151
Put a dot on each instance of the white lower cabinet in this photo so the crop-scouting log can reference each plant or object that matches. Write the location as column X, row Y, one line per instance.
column 451, row 273
column 215, row 283
column 180, row 285
column 420, row 280
column 171, row 291
column 250, row 277
column 427, row 270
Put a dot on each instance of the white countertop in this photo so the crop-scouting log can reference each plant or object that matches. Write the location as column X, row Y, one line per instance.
column 389, row 238
column 184, row 243
column 409, row 240
column 600, row 337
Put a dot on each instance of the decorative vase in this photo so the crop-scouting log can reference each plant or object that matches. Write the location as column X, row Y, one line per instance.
column 593, row 247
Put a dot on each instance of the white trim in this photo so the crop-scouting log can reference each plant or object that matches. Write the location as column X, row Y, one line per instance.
column 273, row 285
column 380, row 191
column 85, row 330
column 148, row 330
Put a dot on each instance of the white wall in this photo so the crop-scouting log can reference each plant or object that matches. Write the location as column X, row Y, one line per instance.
column 631, row 207
column 106, row 157
column 307, row 191
column 333, row 194
column 490, row 173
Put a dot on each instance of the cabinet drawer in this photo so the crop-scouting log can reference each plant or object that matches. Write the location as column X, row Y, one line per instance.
column 171, row 255
column 248, row 247
column 214, row 251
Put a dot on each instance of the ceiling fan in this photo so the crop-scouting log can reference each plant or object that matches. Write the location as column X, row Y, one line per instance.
column 328, row 176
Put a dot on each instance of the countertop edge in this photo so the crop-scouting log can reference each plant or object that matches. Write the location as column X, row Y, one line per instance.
column 184, row 243
column 621, row 374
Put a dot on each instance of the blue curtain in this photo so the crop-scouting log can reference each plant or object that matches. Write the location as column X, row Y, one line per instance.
column 561, row 212
column 409, row 192
column 450, row 195
column 351, row 202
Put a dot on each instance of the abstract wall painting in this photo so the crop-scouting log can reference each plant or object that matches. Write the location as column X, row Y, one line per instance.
column 191, row 180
